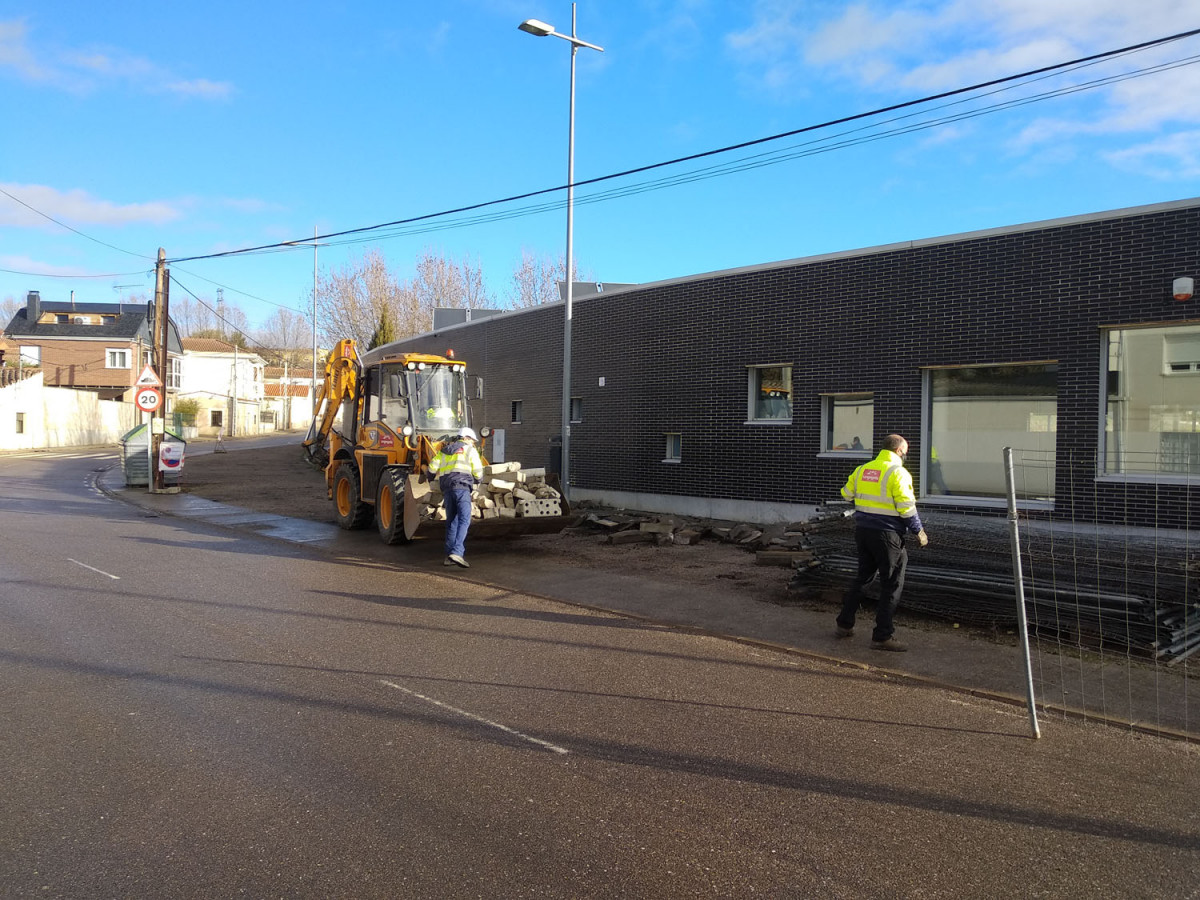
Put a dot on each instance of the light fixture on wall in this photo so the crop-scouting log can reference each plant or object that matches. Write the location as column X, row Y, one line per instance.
column 1182, row 288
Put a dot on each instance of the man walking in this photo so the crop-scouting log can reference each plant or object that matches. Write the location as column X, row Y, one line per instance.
column 885, row 509
column 460, row 468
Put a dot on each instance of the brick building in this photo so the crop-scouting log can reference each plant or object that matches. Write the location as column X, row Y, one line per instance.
column 739, row 394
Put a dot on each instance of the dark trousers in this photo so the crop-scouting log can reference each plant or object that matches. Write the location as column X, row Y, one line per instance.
column 880, row 553
column 458, row 519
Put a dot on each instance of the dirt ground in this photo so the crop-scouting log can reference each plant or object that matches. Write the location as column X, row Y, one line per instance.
column 280, row 480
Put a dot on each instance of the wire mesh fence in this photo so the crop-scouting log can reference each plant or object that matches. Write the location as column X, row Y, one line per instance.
column 1113, row 607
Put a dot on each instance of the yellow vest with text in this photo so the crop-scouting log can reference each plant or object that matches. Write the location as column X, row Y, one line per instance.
column 882, row 487
column 457, row 457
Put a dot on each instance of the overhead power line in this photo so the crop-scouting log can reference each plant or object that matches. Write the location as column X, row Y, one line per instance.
column 1029, row 74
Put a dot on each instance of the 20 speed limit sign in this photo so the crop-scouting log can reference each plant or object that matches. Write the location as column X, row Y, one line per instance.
column 148, row 399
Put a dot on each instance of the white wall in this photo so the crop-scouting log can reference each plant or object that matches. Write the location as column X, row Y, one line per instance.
column 60, row 417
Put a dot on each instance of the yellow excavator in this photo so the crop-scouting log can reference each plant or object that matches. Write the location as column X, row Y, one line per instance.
column 379, row 420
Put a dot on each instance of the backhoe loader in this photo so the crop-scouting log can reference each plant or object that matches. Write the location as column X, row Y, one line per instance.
column 379, row 419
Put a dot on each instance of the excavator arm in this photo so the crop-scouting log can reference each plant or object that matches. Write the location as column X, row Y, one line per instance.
column 342, row 371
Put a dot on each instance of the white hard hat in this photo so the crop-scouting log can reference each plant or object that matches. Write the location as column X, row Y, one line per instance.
column 467, row 433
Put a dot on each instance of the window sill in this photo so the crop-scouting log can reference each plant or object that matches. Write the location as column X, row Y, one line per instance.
column 673, row 461
column 845, row 454
column 1147, row 478
column 768, row 422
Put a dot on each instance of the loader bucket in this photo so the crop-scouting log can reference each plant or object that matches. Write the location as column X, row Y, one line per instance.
column 416, row 489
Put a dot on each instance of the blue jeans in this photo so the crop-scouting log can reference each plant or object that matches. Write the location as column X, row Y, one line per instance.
column 882, row 553
column 458, row 519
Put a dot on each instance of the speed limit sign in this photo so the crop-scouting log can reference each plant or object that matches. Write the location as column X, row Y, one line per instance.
column 148, row 399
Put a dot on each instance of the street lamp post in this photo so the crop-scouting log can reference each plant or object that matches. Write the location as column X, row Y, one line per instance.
column 541, row 29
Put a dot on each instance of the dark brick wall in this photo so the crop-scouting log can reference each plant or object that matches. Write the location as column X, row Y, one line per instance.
column 673, row 357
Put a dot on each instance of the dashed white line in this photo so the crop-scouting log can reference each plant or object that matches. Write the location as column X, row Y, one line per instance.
column 94, row 569
column 553, row 748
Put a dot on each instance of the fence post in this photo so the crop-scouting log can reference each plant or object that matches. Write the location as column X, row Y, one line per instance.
column 1018, row 582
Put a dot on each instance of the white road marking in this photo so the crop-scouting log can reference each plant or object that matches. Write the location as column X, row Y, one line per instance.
column 94, row 569
column 553, row 748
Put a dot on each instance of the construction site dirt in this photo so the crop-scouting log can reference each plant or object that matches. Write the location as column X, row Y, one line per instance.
column 733, row 579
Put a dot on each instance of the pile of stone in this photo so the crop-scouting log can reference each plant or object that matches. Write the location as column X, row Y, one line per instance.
column 507, row 491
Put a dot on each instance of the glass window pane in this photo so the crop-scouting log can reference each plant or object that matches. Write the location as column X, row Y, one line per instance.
column 975, row 412
column 771, row 393
column 850, row 422
column 1152, row 414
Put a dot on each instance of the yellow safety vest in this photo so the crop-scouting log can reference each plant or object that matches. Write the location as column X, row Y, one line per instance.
column 466, row 460
column 882, row 487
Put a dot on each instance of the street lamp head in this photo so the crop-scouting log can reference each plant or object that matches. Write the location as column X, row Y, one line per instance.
column 534, row 26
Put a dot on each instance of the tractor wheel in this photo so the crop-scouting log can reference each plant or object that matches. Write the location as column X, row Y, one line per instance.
column 389, row 509
column 351, row 512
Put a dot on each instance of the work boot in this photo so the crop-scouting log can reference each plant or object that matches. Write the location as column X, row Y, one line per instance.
column 843, row 632
column 459, row 561
column 890, row 644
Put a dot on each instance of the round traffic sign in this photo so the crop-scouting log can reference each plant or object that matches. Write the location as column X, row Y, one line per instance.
column 148, row 399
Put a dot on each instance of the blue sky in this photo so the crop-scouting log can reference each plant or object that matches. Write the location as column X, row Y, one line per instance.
column 203, row 128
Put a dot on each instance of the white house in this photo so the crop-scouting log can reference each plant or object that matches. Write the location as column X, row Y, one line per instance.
column 227, row 382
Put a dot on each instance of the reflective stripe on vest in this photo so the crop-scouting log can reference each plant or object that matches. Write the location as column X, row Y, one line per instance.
column 466, row 460
column 870, row 487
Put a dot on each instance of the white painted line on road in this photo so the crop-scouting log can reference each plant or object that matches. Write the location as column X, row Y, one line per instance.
column 94, row 569
column 553, row 748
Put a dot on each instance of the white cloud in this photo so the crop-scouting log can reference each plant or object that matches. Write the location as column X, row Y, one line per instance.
column 86, row 70
column 899, row 50
column 15, row 263
column 1175, row 156
column 75, row 208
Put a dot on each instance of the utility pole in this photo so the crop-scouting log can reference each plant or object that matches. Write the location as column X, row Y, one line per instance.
column 158, row 342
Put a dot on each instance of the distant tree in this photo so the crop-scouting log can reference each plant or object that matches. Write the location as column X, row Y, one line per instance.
column 385, row 331
column 9, row 307
column 536, row 278
column 289, row 335
column 351, row 299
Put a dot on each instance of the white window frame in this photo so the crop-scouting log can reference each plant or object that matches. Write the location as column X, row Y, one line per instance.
column 112, row 353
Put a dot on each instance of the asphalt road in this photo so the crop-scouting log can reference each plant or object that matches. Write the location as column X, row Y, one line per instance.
column 192, row 712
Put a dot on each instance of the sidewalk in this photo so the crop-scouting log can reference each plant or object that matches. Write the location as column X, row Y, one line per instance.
column 1134, row 695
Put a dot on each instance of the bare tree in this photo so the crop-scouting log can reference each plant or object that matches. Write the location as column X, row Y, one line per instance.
column 288, row 335
column 352, row 299
column 442, row 282
column 9, row 307
column 536, row 278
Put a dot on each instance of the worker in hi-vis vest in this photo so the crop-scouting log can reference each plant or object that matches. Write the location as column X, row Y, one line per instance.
column 458, row 468
column 885, row 510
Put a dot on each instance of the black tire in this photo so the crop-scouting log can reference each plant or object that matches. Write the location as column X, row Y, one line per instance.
column 389, row 507
column 349, row 508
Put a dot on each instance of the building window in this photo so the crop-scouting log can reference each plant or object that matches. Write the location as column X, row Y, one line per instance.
column 174, row 373
column 847, row 423
column 116, row 359
column 216, row 418
column 973, row 413
column 516, row 412
column 576, row 409
column 62, row 319
column 674, row 451
column 769, row 390
column 30, row 356
column 1152, row 401
column 20, row 423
